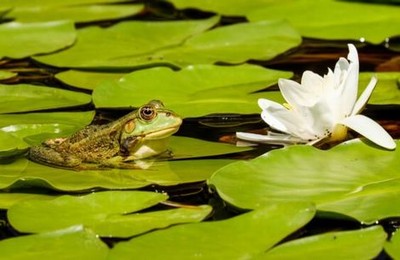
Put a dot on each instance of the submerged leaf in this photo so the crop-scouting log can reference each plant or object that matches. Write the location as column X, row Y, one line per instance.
column 353, row 178
column 241, row 237
column 19, row 40
column 392, row 247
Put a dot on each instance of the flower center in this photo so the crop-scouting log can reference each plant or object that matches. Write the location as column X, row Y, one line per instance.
column 338, row 134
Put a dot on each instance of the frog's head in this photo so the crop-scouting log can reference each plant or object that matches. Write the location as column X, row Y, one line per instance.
column 146, row 134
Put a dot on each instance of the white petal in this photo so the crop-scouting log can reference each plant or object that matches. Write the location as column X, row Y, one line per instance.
column 350, row 87
column 294, row 93
column 268, row 104
column 371, row 130
column 274, row 138
column 312, row 82
column 364, row 97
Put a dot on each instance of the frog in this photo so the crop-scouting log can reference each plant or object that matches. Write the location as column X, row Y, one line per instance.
column 142, row 133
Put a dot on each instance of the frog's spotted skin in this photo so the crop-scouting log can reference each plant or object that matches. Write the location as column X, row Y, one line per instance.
column 140, row 134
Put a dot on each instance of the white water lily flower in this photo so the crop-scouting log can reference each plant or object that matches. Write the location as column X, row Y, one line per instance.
column 320, row 109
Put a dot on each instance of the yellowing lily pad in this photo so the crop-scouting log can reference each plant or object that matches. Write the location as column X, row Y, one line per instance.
column 241, row 237
column 175, row 44
column 9, row 199
column 20, row 40
column 193, row 91
column 26, row 97
column 72, row 243
column 353, row 178
column 358, row 244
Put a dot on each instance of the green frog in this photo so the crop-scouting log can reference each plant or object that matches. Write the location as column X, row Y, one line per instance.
column 140, row 134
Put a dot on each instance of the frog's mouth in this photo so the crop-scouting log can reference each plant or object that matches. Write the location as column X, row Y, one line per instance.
column 162, row 133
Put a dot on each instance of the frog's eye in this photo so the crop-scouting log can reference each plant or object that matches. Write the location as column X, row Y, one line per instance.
column 147, row 113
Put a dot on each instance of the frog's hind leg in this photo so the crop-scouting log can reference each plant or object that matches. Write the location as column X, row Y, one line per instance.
column 49, row 156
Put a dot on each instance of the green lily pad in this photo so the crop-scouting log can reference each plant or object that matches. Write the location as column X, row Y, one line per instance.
column 9, row 199
column 7, row 74
column 176, row 44
column 24, row 173
column 358, row 244
column 125, row 39
column 335, row 20
column 18, row 132
column 387, row 89
column 72, row 243
column 77, row 13
column 353, row 178
column 240, row 237
column 392, row 247
column 224, row 7
column 26, row 97
column 87, row 79
column 193, row 91
column 108, row 214
column 20, row 40
column 35, row 216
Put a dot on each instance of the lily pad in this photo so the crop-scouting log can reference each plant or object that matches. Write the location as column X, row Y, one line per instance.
column 35, row 216
column 108, row 214
column 87, row 79
column 77, row 13
column 387, row 90
column 26, row 97
column 24, row 173
column 20, row 40
column 392, row 247
column 175, row 44
column 335, row 20
column 125, row 39
column 240, row 237
column 358, row 244
column 18, row 132
column 193, row 91
column 72, row 243
column 353, row 178
column 9, row 199
column 7, row 74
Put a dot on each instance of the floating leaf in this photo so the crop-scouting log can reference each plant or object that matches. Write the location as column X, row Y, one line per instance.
column 19, row 40
column 358, row 244
column 76, row 13
column 176, row 44
column 25, row 97
column 334, row 20
column 240, row 237
column 34, row 216
column 86, row 79
column 7, row 74
column 125, row 39
column 24, row 173
column 387, row 89
column 353, row 178
column 21, row 130
column 71, row 243
column 392, row 247
column 194, row 90
column 9, row 199
column 106, row 213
